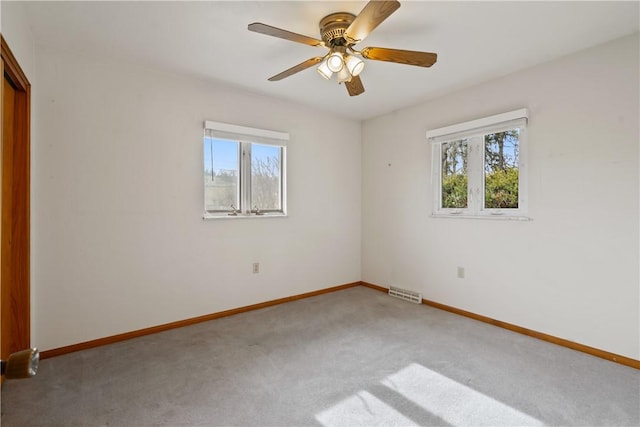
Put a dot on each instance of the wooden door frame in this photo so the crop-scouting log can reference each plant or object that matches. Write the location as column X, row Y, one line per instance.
column 15, row 209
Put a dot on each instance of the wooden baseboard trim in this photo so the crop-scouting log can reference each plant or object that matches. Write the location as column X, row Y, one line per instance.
column 623, row 360
column 376, row 287
column 180, row 323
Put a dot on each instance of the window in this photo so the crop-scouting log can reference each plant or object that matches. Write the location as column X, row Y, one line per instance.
column 479, row 167
column 244, row 171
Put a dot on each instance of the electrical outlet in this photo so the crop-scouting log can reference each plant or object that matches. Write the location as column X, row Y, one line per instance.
column 460, row 272
column 256, row 267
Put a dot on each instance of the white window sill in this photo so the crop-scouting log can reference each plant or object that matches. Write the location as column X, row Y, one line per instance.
column 243, row 216
column 501, row 217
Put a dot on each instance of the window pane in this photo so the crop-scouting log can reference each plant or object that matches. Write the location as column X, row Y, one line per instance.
column 266, row 177
column 221, row 183
column 454, row 174
column 501, row 151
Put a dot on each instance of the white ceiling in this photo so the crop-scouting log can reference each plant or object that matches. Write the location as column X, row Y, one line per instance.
column 475, row 41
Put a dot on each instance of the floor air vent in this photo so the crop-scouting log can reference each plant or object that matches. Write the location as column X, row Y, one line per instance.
column 405, row 295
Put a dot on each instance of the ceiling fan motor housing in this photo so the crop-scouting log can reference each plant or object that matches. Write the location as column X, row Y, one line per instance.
column 332, row 28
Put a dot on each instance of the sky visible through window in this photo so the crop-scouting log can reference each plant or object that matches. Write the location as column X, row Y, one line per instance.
column 508, row 157
column 225, row 154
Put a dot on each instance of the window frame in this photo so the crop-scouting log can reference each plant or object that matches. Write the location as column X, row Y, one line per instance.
column 474, row 131
column 246, row 137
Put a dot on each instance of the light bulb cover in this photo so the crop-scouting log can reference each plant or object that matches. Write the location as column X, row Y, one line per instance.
column 324, row 71
column 354, row 64
column 335, row 62
column 344, row 75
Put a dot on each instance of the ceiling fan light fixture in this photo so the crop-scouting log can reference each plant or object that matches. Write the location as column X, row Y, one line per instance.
column 324, row 71
column 344, row 75
column 335, row 62
column 340, row 32
column 354, row 64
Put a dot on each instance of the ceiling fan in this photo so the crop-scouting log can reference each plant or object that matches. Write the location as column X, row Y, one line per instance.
column 340, row 32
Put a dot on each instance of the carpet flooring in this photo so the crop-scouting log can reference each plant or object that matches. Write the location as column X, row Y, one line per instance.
column 348, row 358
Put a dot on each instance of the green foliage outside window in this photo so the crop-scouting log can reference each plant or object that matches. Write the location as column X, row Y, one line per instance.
column 501, row 189
column 454, row 191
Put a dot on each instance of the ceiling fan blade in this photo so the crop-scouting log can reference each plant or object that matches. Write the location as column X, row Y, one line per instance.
column 354, row 87
column 369, row 18
column 410, row 57
column 296, row 68
column 261, row 28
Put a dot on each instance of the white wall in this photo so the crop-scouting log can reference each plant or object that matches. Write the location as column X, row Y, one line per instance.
column 15, row 30
column 572, row 272
column 121, row 243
